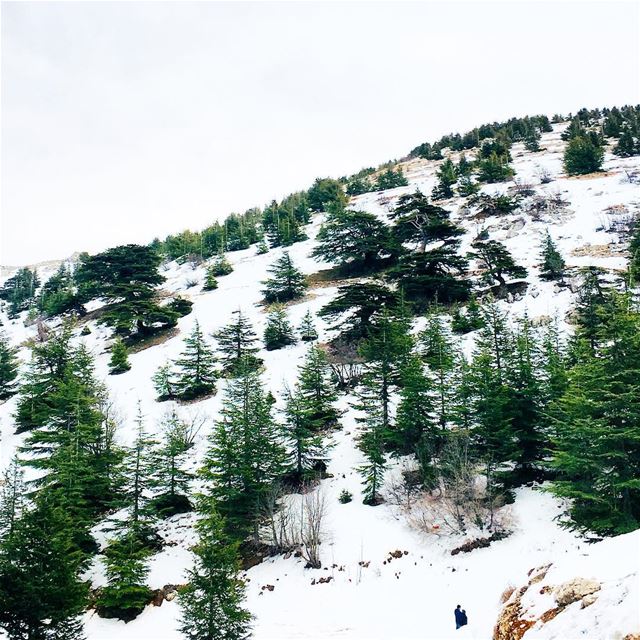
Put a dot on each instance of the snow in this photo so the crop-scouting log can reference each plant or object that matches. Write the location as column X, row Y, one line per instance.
column 414, row 596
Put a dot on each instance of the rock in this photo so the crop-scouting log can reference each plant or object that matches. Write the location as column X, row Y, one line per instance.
column 588, row 600
column 574, row 590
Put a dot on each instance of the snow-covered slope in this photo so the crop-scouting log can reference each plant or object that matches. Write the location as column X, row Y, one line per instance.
column 369, row 596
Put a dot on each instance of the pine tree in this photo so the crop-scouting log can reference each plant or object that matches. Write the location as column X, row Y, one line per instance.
column 170, row 479
column 287, row 283
column 41, row 594
column 356, row 241
column 469, row 321
column 220, row 267
column 634, row 255
column 211, row 603
column 210, row 280
column 236, row 345
column 553, row 264
column 8, row 368
column 532, row 140
column 164, row 383
column 437, row 351
column 245, row 455
column 582, row 156
column 137, row 471
column 307, row 329
column 597, row 428
column 390, row 179
column 415, row 429
column 316, row 390
column 385, row 353
column 304, row 445
column 497, row 262
column 13, row 492
column 126, row 277
column 627, row 146
column 262, row 247
column 494, row 168
column 126, row 594
column 447, row 177
column 592, row 307
column 20, row 290
column 119, row 362
column 196, row 375
column 365, row 301
column 324, row 193
column 278, row 332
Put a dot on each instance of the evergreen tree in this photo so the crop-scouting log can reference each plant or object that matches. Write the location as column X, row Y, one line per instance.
column 627, row 145
column 210, row 280
column 494, row 168
column 170, row 479
column 126, row 594
column 592, row 307
column 236, row 345
column 245, row 456
column 8, row 368
column 324, row 193
column 597, row 428
column 220, row 267
column 58, row 294
column 19, row 290
column 119, row 362
column 497, row 262
column 437, row 351
column 196, row 375
column 307, row 330
column 41, row 595
column 137, row 471
column 415, row 429
column 278, row 333
column 390, row 179
column 464, row 168
column 417, row 220
column 126, row 277
column 385, row 353
column 582, row 156
column 366, row 301
column 469, row 321
column 447, row 176
column 304, row 445
column 357, row 241
column 532, row 140
column 211, row 603
column 13, row 493
column 287, row 283
column 316, row 390
column 164, row 383
column 553, row 264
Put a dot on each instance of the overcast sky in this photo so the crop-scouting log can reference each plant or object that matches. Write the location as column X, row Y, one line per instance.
column 124, row 121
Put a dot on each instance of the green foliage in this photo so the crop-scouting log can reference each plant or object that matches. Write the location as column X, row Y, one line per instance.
column 345, row 497
column 494, row 168
column 582, row 156
column 357, row 241
column 364, row 302
column 628, row 143
column 195, row 368
column 126, row 593
column 236, row 345
column 19, row 290
column 262, row 247
column 119, row 362
column 316, row 391
column 211, row 602
column 532, row 140
column 471, row 320
column 278, row 332
column 496, row 262
column 325, row 192
column 553, row 264
column 494, row 205
column 634, row 255
column 164, row 383
column 282, row 223
column 8, row 368
column 245, row 455
column 58, row 294
column 13, row 498
column 126, row 277
column 287, row 282
column 41, row 594
column 447, row 176
column 210, row 280
column 390, row 179
column 220, row 266
column 307, row 329
column 597, row 428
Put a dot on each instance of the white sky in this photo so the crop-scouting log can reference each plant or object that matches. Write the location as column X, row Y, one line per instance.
column 125, row 121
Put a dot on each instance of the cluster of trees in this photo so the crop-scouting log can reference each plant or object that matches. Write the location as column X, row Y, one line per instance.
column 19, row 291
column 387, row 179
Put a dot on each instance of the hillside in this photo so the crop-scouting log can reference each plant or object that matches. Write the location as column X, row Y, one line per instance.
column 371, row 594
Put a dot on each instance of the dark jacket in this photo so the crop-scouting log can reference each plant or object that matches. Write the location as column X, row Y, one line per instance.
column 461, row 618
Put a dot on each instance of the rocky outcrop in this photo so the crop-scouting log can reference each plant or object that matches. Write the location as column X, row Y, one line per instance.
column 574, row 590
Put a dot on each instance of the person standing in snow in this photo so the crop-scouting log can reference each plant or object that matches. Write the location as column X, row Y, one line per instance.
column 461, row 617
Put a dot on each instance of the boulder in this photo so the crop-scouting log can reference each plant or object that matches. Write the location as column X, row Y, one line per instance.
column 574, row 590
